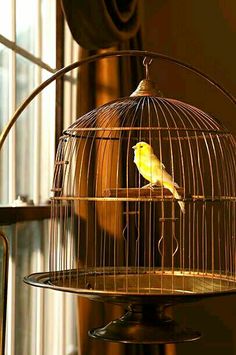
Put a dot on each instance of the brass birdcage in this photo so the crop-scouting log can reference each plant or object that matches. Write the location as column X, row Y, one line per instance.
column 143, row 212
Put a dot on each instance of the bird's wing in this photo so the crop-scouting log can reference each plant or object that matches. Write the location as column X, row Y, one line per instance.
column 149, row 167
column 167, row 181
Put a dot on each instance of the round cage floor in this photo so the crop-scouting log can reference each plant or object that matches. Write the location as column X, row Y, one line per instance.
column 146, row 292
column 136, row 282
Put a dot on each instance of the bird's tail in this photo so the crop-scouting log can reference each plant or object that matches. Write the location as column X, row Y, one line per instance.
column 182, row 206
column 176, row 195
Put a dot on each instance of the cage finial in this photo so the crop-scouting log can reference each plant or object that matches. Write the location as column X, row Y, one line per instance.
column 146, row 86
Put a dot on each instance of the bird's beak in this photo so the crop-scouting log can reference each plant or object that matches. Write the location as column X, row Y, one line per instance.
column 134, row 147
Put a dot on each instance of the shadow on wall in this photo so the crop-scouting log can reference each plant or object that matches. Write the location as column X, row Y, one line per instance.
column 215, row 319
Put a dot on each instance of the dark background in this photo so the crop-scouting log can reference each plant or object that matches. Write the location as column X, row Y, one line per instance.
column 202, row 34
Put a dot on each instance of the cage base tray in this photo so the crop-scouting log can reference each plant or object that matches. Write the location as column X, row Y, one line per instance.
column 148, row 295
column 144, row 324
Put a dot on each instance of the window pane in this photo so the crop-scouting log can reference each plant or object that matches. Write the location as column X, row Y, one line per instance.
column 33, row 312
column 5, row 18
column 4, row 84
column 47, row 139
column 25, row 140
column 35, row 136
column 4, row 113
column 48, row 10
column 26, row 24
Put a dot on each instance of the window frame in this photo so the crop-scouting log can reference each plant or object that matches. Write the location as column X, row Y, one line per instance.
column 8, row 213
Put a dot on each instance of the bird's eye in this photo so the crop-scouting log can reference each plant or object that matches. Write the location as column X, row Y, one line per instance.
column 141, row 146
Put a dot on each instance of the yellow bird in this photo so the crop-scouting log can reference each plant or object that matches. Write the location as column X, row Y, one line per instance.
column 154, row 171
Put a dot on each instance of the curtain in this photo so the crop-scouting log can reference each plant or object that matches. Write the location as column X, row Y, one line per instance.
column 104, row 82
column 99, row 83
column 102, row 23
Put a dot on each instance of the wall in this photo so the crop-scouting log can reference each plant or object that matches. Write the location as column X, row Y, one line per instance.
column 203, row 34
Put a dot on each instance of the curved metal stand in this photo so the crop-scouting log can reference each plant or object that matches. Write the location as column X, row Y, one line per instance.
column 128, row 53
column 145, row 324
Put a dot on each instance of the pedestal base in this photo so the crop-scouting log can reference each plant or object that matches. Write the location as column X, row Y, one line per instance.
column 145, row 324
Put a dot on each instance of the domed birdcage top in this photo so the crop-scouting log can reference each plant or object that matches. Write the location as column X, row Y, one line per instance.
column 196, row 150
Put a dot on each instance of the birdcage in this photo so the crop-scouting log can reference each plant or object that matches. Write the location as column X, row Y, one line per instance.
column 143, row 212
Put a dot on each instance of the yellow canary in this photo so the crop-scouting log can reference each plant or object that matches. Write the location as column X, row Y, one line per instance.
column 153, row 170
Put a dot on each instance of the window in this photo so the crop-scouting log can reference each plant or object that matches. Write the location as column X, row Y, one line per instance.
column 27, row 58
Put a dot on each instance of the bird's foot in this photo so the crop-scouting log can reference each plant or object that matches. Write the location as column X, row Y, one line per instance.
column 150, row 186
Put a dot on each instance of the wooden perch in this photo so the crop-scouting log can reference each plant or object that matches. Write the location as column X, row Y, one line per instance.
column 156, row 192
